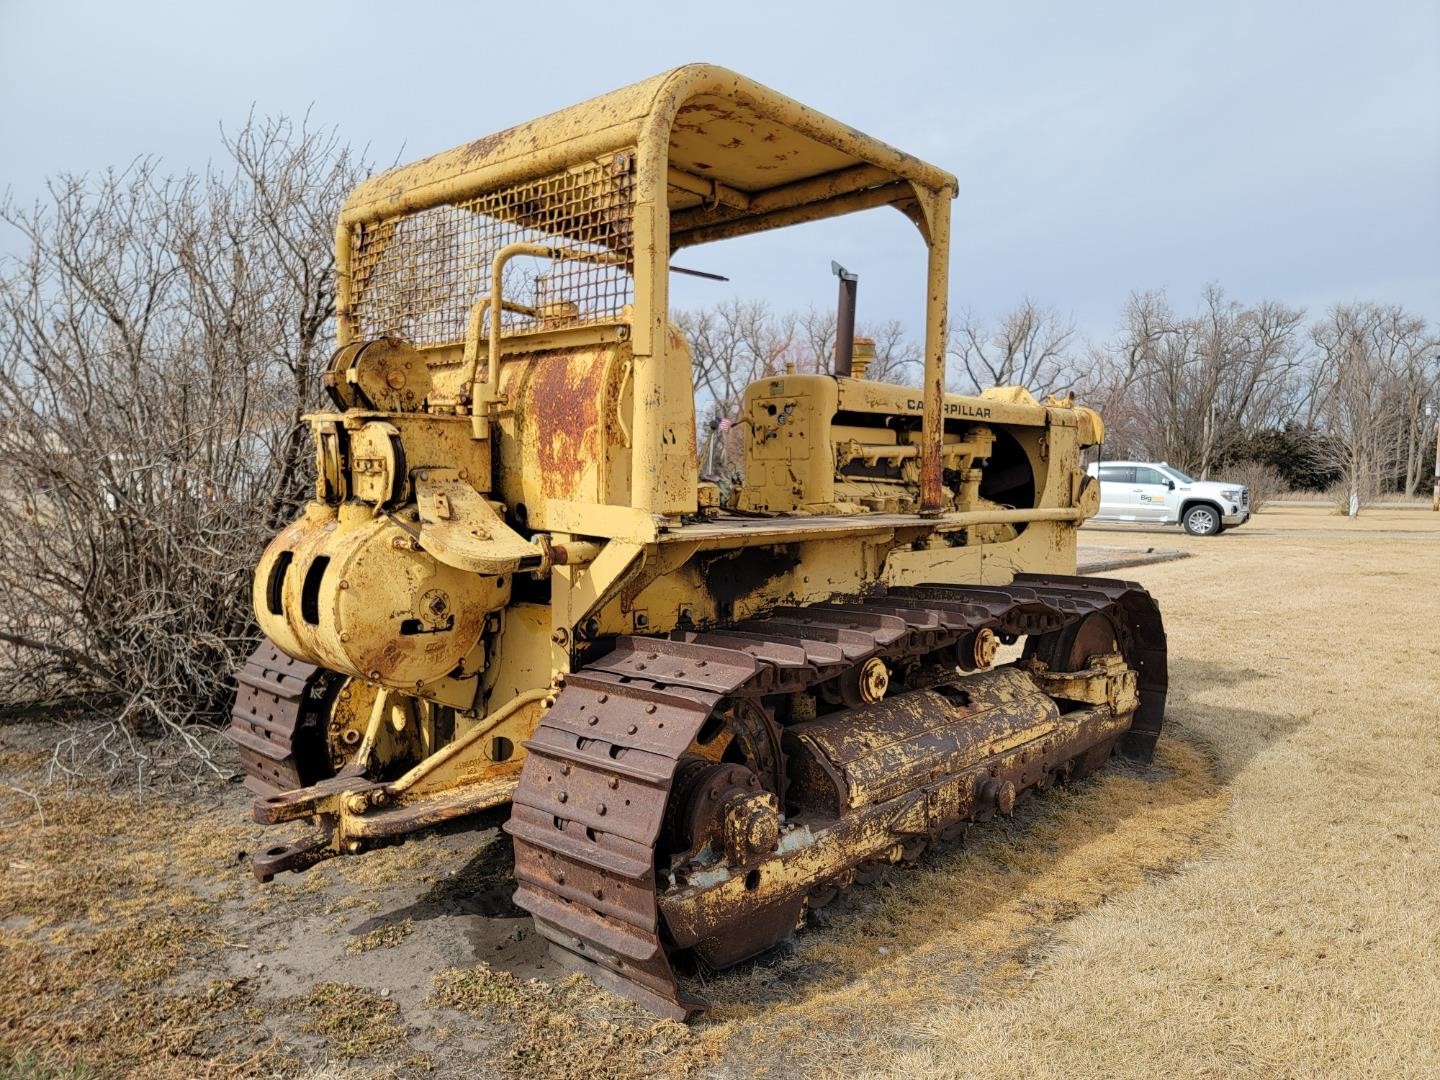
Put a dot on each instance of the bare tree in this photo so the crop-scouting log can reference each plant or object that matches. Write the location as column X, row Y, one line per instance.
column 1115, row 369
column 1247, row 362
column 159, row 340
column 815, row 339
column 1420, row 388
column 1189, row 389
column 732, row 345
column 897, row 356
column 1365, row 352
column 1031, row 346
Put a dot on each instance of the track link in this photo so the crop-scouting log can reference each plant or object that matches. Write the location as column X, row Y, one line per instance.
column 592, row 796
column 278, row 720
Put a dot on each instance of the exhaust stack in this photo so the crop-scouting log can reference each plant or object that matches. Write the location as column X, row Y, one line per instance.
column 844, row 319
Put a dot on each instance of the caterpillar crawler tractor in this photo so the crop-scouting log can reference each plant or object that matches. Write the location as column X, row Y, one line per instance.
column 512, row 588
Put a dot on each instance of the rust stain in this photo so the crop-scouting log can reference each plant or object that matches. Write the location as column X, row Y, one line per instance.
column 480, row 149
column 565, row 399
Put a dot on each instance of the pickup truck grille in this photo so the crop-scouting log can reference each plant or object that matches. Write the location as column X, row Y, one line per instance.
column 1244, row 498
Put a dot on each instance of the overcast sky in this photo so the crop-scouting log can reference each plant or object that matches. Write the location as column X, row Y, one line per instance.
column 1286, row 150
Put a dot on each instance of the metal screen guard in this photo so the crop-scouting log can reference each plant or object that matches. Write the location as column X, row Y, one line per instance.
column 416, row 276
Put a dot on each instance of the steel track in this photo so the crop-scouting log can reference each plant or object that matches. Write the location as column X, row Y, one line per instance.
column 278, row 720
column 592, row 796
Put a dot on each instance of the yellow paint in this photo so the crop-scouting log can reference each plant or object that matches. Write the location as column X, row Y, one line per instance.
column 517, row 417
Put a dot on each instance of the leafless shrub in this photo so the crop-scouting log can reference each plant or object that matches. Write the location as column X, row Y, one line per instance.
column 1264, row 483
column 159, row 339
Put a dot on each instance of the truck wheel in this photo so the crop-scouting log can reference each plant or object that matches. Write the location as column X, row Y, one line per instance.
column 1202, row 520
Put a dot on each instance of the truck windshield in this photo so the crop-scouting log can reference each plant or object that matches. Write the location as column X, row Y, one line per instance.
column 1178, row 475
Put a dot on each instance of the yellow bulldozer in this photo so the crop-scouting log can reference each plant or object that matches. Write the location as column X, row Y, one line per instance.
column 705, row 713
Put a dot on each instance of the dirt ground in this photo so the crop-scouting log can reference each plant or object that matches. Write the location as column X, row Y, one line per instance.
column 1259, row 902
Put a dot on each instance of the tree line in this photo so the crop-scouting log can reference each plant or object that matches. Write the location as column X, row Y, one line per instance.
column 1344, row 401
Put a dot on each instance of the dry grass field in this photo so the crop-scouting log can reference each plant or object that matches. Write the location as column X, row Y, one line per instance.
column 1260, row 902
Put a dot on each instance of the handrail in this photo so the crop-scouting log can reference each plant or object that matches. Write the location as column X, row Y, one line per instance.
column 485, row 399
column 476, row 323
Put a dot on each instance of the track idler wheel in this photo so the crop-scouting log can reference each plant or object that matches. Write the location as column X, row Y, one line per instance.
column 864, row 684
column 1070, row 649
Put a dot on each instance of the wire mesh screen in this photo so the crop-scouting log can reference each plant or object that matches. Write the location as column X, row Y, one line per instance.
column 418, row 276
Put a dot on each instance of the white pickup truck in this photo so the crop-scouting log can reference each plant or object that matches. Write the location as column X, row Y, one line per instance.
column 1151, row 493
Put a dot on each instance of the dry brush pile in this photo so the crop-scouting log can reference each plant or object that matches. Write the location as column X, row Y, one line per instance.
column 160, row 337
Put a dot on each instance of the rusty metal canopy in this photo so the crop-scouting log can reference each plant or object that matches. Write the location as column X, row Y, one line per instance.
column 733, row 157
